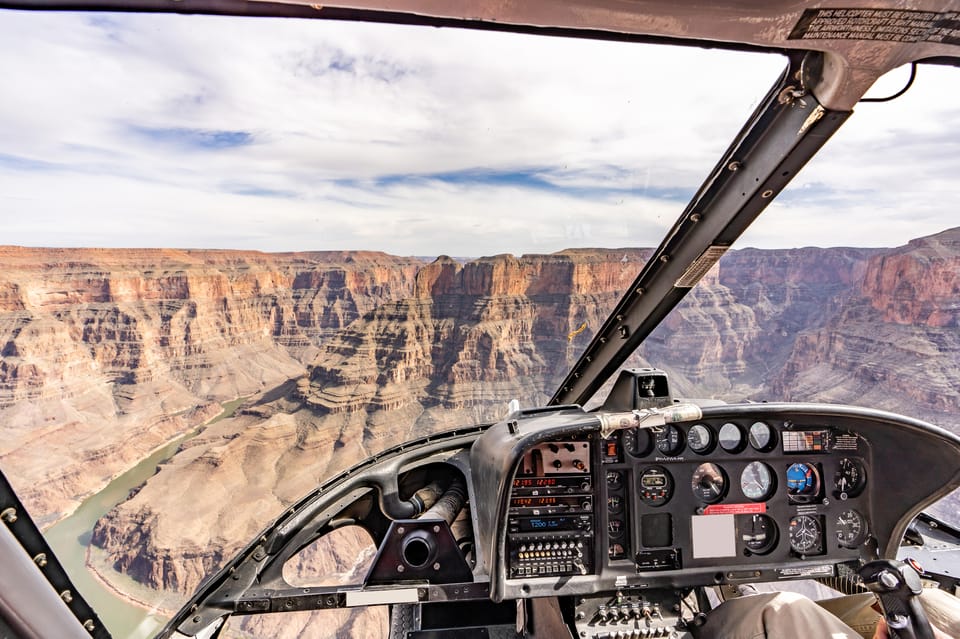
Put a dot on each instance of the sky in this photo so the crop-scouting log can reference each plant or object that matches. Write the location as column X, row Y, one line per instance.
column 278, row 135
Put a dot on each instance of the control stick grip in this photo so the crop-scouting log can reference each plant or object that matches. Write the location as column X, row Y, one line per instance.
column 898, row 587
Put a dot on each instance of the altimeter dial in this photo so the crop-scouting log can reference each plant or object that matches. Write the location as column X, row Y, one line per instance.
column 850, row 478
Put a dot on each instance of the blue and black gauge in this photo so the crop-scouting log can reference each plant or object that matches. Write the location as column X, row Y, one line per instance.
column 803, row 483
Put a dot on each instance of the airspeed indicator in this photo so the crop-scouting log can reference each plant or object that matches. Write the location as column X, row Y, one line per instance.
column 757, row 481
column 851, row 528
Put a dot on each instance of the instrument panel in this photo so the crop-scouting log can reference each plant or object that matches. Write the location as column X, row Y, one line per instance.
column 719, row 494
column 733, row 492
column 723, row 494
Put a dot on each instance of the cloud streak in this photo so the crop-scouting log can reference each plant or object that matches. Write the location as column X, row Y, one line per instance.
column 135, row 130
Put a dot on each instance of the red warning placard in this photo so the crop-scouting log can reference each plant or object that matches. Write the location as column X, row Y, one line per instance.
column 735, row 509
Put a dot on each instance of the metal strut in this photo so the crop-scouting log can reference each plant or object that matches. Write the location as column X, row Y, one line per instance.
column 785, row 131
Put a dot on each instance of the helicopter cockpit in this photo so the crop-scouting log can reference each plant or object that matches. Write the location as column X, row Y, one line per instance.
column 618, row 516
column 624, row 520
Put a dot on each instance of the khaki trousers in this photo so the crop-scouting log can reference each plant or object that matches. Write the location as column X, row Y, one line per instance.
column 787, row 615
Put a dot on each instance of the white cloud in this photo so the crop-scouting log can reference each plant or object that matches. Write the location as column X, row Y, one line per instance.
column 135, row 130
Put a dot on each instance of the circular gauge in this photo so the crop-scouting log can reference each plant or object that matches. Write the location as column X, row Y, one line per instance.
column 803, row 482
column 637, row 442
column 731, row 438
column 851, row 529
column 614, row 479
column 615, row 527
column 709, row 483
column 700, row 439
column 615, row 504
column 850, row 478
column 806, row 535
column 758, row 533
column 762, row 437
column 655, row 486
column 757, row 481
column 616, row 551
column 670, row 440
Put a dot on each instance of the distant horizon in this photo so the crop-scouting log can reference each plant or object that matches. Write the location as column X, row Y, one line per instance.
column 427, row 258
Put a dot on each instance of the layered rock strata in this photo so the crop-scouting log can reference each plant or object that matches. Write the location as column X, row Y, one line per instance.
column 108, row 354
column 349, row 353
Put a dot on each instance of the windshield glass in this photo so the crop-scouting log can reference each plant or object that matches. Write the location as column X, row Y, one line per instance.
column 245, row 255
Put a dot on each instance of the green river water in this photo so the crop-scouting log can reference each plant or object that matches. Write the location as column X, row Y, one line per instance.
column 70, row 537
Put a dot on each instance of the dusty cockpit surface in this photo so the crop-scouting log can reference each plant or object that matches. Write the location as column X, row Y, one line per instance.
column 354, row 405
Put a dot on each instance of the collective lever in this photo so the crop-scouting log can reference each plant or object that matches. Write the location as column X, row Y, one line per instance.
column 898, row 585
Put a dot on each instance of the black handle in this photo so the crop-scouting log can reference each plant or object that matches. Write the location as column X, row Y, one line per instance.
column 898, row 585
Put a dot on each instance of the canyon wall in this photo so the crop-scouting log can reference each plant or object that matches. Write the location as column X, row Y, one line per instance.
column 107, row 354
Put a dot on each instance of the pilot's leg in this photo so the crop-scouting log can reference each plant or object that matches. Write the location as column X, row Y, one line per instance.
column 858, row 612
column 778, row 615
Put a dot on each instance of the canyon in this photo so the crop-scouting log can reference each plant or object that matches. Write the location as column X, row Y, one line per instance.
column 108, row 354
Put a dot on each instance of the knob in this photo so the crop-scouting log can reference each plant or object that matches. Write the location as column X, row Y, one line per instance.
column 888, row 580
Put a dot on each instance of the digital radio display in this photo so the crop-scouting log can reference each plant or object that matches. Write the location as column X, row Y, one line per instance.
column 534, row 482
column 547, row 523
column 533, row 502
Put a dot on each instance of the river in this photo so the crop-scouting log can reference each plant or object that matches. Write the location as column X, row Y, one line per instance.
column 70, row 537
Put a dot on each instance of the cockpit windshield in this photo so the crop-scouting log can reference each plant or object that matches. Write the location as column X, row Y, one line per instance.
column 244, row 255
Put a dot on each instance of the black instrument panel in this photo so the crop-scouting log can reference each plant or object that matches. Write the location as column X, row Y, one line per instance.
column 747, row 493
column 733, row 493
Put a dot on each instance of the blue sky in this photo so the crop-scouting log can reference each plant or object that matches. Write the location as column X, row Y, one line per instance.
column 126, row 130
